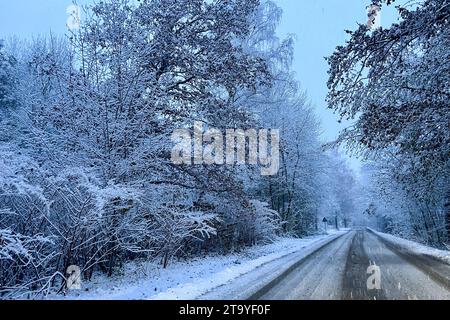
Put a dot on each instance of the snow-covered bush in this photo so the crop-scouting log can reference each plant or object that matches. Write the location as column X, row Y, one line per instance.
column 265, row 222
column 26, row 246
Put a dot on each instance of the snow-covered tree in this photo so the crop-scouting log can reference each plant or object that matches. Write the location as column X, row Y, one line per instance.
column 395, row 82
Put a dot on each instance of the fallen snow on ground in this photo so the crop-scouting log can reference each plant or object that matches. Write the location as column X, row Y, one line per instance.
column 416, row 248
column 187, row 279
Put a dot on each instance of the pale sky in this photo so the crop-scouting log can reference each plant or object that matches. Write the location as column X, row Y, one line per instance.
column 318, row 26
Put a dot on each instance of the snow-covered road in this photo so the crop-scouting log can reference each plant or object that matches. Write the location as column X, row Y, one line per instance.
column 339, row 271
column 325, row 267
column 401, row 278
column 318, row 277
column 237, row 275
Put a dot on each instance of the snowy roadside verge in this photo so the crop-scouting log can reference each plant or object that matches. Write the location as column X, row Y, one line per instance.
column 241, row 282
column 414, row 247
column 194, row 278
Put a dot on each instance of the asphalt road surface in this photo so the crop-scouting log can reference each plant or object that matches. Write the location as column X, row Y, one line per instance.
column 340, row 271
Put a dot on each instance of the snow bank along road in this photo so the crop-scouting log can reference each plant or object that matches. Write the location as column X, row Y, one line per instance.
column 339, row 269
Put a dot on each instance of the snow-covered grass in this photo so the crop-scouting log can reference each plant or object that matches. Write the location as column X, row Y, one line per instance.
column 416, row 248
column 188, row 279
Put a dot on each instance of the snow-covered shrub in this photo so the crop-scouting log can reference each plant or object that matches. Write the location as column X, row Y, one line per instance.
column 26, row 243
column 265, row 222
